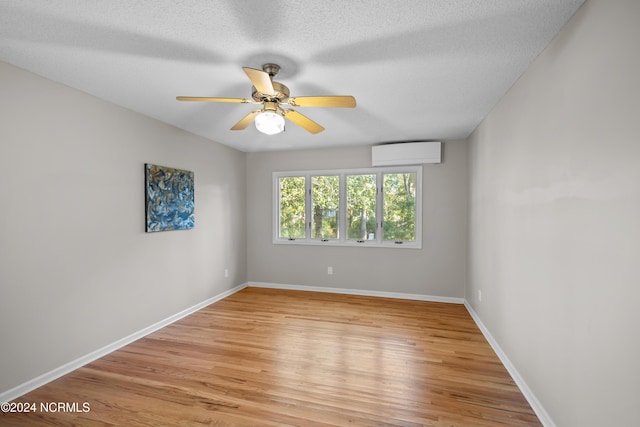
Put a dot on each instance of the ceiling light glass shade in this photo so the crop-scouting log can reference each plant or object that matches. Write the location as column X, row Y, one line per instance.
column 269, row 122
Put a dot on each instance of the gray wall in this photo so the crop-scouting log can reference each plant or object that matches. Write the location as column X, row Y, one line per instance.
column 554, row 241
column 77, row 271
column 436, row 269
column 548, row 184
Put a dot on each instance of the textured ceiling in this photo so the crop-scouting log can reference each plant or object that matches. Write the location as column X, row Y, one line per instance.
column 419, row 69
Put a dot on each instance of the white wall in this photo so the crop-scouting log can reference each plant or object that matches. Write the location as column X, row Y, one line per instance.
column 438, row 269
column 554, row 241
column 77, row 270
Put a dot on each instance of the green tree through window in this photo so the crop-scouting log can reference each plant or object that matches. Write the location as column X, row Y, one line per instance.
column 399, row 202
column 325, row 201
column 361, row 207
column 292, row 213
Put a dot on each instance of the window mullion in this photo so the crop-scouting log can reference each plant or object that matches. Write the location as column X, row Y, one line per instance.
column 342, row 209
column 307, row 207
column 379, row 208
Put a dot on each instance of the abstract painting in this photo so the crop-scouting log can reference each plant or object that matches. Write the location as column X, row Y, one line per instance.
column 169, row 198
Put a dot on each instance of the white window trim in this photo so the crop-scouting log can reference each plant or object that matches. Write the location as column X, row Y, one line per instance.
column 342, row 240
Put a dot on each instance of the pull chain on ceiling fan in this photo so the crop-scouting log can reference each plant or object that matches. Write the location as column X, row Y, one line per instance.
column 272, row 95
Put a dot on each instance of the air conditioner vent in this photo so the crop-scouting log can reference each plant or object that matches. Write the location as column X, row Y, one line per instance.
column 406, row 153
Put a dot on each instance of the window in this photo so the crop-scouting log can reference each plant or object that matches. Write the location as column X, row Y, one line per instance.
column 325, row 202
column 398, row 201
column 291, row 202
column 360, row 207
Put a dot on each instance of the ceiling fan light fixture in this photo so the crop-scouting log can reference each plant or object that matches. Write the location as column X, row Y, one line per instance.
column 269, row 122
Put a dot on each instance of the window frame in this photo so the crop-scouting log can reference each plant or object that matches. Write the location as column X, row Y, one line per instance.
column 342, row 239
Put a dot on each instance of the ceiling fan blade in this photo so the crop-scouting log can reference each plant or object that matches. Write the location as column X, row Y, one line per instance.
column 210, row 99
column 245, row 121
column 303, row 121
column 323, row 101
column 260, row 80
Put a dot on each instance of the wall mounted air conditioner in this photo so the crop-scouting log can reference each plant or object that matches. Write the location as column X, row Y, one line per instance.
column 406, row 153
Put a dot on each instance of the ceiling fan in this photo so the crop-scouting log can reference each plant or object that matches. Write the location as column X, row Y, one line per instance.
column 273, row 95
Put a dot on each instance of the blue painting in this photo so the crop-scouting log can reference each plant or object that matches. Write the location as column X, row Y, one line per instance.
column 169, row 198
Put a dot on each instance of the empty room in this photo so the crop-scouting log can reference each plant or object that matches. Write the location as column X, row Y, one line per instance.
column 319, row 213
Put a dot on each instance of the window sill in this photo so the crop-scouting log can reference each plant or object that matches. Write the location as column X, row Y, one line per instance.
column 349, row 243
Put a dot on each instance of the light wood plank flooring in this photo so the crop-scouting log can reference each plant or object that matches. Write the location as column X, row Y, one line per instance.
column 265, row 357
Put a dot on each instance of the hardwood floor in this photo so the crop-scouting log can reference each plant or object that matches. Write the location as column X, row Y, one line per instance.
column 266, row 357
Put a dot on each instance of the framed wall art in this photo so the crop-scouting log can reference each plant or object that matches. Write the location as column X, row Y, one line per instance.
column 169, row 198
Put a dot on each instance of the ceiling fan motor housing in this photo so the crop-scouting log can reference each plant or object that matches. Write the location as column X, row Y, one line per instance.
column 281, row 94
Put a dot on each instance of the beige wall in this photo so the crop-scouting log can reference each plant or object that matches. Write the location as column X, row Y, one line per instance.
column 437, row 269
column 554, row 241
column 77, row 270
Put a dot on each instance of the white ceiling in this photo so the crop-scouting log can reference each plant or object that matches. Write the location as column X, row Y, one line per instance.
column 419, row 69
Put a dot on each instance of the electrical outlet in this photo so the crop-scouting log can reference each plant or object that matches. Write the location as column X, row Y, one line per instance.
column 479, row 295
column 226, row 273
column 329, row 270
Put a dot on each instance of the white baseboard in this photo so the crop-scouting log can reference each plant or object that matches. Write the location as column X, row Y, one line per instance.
column 535, row 404
column 56, row 373
column 417, row 297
